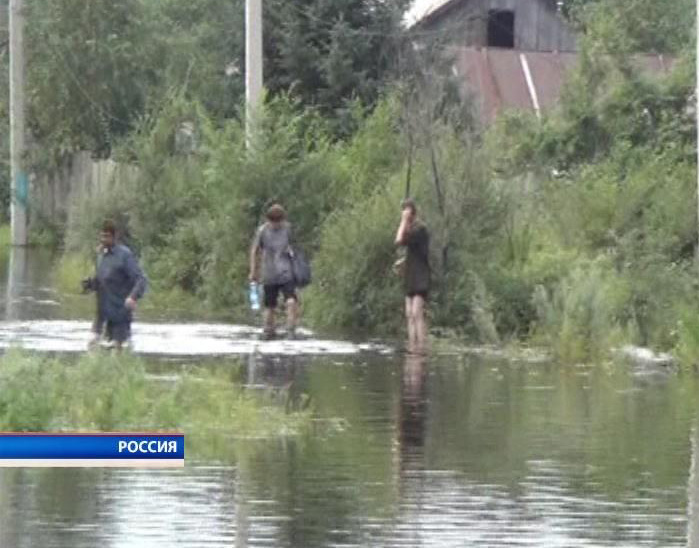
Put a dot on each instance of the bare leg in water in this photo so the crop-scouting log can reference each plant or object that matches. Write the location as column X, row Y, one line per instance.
column 269, row 321
column 292, row 315
column 417, row 325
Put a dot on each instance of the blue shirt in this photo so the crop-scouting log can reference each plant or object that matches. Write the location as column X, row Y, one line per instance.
column 118, row 276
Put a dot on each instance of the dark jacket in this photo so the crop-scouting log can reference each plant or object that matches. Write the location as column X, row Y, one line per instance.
column 118, row 276
column 417, row 260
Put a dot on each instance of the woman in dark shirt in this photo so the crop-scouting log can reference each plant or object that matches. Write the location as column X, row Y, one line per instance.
column 412, row 233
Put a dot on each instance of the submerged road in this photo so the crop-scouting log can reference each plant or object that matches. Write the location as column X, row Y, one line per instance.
column 173, row 339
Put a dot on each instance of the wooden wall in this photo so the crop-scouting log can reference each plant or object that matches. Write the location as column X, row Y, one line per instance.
column 538, row 27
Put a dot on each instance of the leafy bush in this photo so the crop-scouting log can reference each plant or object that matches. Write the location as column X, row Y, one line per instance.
column 580, row 317
column 354, row 287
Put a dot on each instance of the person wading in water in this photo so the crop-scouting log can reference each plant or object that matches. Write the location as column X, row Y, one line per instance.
column 272, row 243
column 412, row 233
column 119, row 283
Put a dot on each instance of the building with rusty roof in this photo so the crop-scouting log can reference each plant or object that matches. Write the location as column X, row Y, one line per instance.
column 509, row 54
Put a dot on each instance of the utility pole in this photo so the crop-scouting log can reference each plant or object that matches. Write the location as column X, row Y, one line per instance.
column 253, row 62
column 19, row 186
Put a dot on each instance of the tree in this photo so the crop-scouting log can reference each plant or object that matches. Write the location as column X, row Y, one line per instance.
column 329, row 52
column 86, row 81
column 663, row 26
column 94, row 68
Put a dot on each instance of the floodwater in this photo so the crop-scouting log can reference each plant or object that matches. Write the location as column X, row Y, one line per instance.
column 452, row 450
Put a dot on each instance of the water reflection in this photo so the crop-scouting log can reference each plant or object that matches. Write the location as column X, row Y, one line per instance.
column 268, row 370
column 429, row 454
column 275, row 377
column 17, row 274
column 412, row 425
column 116, row 508
column 26, row 277
column 413, row 410
column 693, row 489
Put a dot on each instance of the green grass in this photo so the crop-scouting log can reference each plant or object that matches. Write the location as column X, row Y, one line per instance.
column 70, row 269
column 5, row 236
column 175, row 303
column 110, row 392
column 5, row 243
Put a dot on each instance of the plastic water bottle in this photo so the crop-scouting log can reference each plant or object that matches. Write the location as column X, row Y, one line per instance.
column 254, row 296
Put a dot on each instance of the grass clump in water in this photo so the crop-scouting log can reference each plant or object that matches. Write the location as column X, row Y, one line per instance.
column 114, row 392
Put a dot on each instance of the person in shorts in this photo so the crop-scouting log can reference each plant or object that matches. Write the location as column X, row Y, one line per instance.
column 119, row 283
column 413, row 234
column 270, row 247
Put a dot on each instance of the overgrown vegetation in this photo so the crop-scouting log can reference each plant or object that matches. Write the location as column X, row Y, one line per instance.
column 577, row 230
column 102, row 392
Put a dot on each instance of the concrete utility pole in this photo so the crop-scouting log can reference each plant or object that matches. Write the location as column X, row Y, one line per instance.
column 19, row 186
column 253, row 61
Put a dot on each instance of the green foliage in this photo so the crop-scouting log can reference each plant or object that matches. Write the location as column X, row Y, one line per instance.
column 199, row 49
column 70, row 270
column 80, row 59
column 5, row 236
column 580, row 317
column 329, row 53
column 510, row 252
column 482, row 313
column 112, row 392
column 375, row 153
column 579, row 228
column 353, row 286
column 95, row 71
column 614, row 179
column 161, row 301
column 625, row 26
column 605, row 105
column 192, row 215
column 687, row 348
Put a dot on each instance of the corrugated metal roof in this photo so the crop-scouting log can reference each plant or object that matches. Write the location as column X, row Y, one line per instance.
column 500, row 79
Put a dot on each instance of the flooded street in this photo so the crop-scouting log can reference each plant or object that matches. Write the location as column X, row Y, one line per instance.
column 450, row 451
